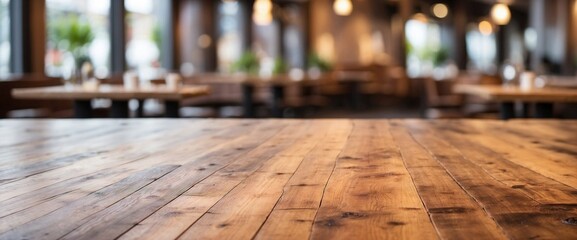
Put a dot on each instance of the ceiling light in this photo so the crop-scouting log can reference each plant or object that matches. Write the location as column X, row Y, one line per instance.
column 262, row 18
column 500, row 14
column 485, row 28
column 343, row 7
column 420, row 17
column 262, row 12
column 440, row 10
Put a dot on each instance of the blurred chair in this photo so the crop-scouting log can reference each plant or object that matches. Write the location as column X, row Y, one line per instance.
column 304, row 98
column 476, row 107
column 23, row 108
column 440, row 101
column 226, row 94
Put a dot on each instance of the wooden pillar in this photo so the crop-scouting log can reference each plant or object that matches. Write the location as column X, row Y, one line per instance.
column 460, row 26
column 209, row 26
column 195, row 18
column 406, row 9
column 501, row 35
column 308, row 38
column 568, row 10
column 37, row 30
column 247, row 6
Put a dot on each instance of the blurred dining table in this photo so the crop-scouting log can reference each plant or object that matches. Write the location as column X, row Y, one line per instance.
column 276, row 85
column 120, row 96
column 543, row 98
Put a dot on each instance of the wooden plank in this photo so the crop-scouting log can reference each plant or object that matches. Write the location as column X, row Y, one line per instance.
column 286, row 179
column 199, row 199
column 239, row 214
column 303, row 193
column 288, row 224
column 551, row 130
column 123, row 215
column 456, row 215
column 158, row 160
column 370, row 193
column 95, row 181
column 518, row 215
column 118, row 155
column 32, row 201
column 540, row 188
column 94, row 141
column 19, row 132
column 536, row 140
column 543, row 163
column 46, row 227
column 28, row 151
column 40, row 209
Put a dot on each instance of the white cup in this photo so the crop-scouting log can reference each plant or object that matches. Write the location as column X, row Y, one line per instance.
column 131, row 80
column 173, row 81
column 527, row 81
column 91, row 85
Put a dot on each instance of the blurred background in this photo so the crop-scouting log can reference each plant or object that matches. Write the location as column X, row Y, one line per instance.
column 405, row 55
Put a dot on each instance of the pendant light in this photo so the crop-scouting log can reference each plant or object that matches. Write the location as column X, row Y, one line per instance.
column 485, row 28
column 343, row 7
column 262, row 12
column 500, row 14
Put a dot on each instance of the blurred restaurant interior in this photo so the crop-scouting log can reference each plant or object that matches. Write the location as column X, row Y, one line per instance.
column 297, row 119
column 290, row 58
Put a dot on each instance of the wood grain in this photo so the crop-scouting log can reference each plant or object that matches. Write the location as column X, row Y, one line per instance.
column 287, row 179
column 370, row 193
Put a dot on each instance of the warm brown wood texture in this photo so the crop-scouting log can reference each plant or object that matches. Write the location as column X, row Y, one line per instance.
column 115, row 92
column 511, row 93
column 288, row 179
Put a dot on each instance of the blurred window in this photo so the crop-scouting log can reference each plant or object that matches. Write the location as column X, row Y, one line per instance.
column 482, row 50
column 230, row 42
column 294, row 41
column 424, row 49
column 4, row 37
column 77, row 33
column 143, row 34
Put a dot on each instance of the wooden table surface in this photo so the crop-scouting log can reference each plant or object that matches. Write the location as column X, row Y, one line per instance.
column 288, row 179
column 115, row 92
column 513, row 93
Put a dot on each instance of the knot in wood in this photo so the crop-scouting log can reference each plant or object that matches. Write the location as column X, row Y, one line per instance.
column 570, row 221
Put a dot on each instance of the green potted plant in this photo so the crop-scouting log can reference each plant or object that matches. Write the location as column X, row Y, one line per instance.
column 280, row 66
column 72, row 35
column 317, row 63
column 248, row 63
